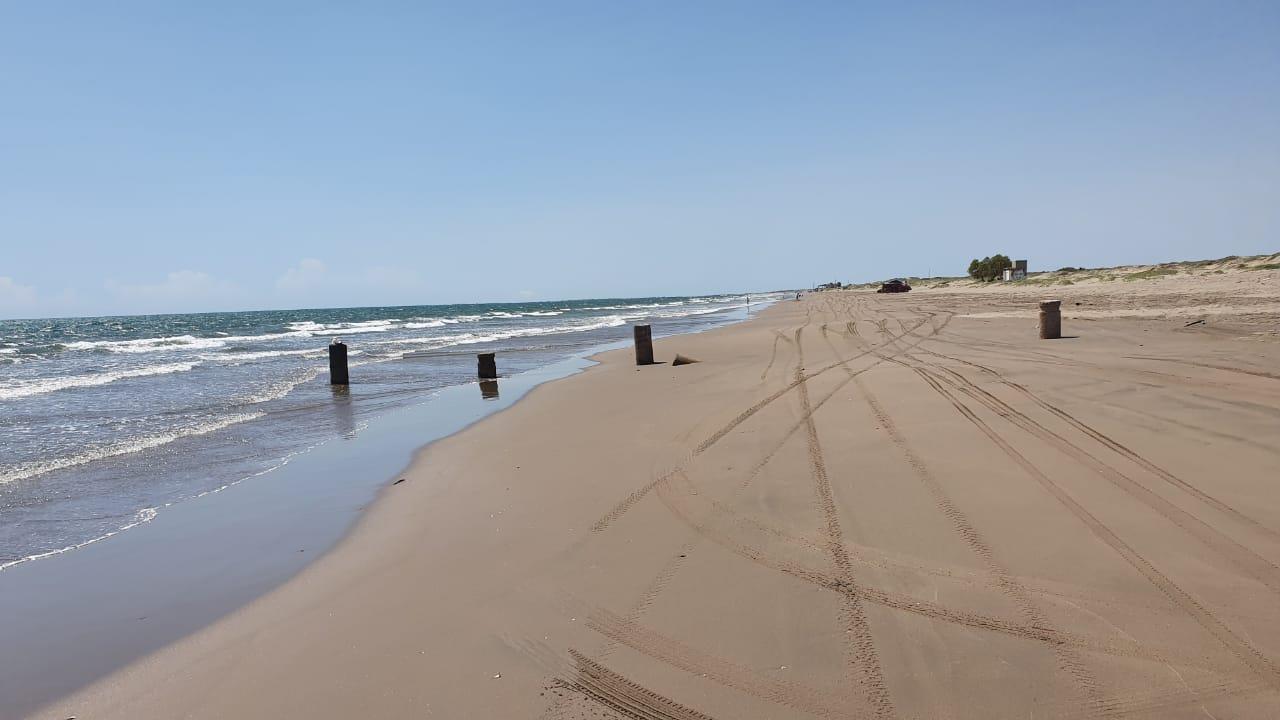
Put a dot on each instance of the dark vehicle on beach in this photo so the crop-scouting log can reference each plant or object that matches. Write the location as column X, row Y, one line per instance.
column 896, row 285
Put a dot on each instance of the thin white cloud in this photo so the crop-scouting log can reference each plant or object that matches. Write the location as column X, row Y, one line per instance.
column 12, row 292
column 309, row 273
column 15, row 298
column 378, row 283
column 178, row 290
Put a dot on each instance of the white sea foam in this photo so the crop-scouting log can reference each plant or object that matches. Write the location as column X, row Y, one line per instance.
column 365, row 325
column 343, row 328
column 422, row 325
column 145, row 515
column 634, row 306
column 266, row 337
column 22, row 471
column 170, row 343
column 243, row 356
column 281, row 388
column 175, row 343
column 436, row 340
column 439, row 341
column 146, row 345
column 26, row 388
column 8, row 351
column 698, row 311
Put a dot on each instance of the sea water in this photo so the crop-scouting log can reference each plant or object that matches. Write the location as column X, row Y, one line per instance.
column 107, row 421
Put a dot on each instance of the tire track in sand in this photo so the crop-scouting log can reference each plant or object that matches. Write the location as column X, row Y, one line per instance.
column 621, row 695
column 1067, row 659
column 1244, row 558
column 865, row 670
column 689, row 659
column 1257, row 662
column 696, row 662
column 1119, row 647
column 636, row 495
column 1118, row 447
column 589, row 680
column 1241, row 649
column 777, row 337
column 1227, row 368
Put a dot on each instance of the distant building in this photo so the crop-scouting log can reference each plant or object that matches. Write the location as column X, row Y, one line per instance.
column 1017, row 272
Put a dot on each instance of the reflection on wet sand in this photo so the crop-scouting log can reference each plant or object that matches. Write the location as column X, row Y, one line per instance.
column 489, row 389
column 343, row 413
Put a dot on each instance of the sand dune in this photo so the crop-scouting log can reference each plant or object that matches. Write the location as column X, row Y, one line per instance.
column 855, row 505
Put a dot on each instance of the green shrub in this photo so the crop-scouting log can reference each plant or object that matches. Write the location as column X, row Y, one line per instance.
column 989, row 268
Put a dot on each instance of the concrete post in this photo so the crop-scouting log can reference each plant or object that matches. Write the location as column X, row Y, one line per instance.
column 644, row 345
column 1050, row 319
column 338, row 363
column 486, row 366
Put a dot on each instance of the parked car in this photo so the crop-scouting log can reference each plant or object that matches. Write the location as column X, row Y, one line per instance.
column 896, row 285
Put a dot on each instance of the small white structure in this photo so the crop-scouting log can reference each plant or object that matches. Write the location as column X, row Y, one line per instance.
column 1017, row 272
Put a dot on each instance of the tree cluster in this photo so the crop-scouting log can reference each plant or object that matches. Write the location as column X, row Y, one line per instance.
column 989, row 268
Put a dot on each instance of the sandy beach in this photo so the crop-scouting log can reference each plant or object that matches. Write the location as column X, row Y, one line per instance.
column 854, row 505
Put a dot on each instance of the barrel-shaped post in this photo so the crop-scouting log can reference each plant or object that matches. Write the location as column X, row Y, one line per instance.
column 644, row 344
column 486, row 366
column 1050, row 319
column 338, row 364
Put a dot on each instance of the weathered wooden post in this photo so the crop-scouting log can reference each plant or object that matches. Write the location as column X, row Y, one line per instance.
column 487, row 366
column 1050, row 319
column 644, row 345
column 338, row 363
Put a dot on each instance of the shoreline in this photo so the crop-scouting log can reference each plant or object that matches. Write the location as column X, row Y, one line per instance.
column 121, row 420
column 152, row 572
column 812, row 521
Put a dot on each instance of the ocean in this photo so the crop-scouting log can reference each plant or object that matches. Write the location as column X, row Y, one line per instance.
column 110, row 420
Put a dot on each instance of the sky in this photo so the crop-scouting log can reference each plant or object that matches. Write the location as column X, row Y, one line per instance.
column 182, row 157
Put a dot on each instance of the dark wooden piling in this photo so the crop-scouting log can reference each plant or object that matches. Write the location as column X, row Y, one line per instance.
column 1050, row 319
column 487, row 366
column 644, row 345
column 338, row 363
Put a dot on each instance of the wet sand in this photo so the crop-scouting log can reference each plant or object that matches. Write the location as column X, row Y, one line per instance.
column 79, row 615
column 855, row 506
